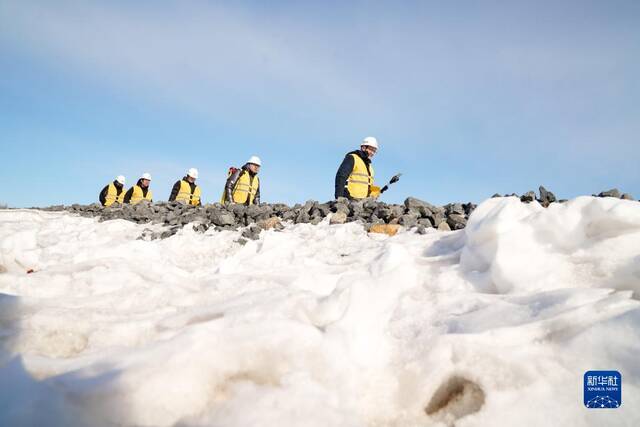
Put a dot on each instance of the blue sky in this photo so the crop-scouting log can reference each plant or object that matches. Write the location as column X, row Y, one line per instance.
column 467, row 98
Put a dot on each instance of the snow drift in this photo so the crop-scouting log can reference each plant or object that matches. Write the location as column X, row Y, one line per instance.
column 321, row 325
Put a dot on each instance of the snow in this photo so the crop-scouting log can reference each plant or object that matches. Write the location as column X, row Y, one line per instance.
column 321, row 325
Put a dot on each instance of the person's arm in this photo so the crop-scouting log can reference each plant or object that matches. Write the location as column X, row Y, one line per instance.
column 256, row 198
column 342, row 175
column 103, row 195
column 231, row 183
column 127, row 195
column 174, row 191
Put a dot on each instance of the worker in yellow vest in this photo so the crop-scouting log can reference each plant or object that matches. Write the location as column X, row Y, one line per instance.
column 140, row 191
column 113, row 192
column 243, row 185
column 354, row 178
column 186, row 191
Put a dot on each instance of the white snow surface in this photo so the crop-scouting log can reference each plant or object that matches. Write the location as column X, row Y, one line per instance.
column 493, row 325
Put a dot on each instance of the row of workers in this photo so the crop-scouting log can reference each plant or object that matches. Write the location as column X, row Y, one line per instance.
column 354, row 180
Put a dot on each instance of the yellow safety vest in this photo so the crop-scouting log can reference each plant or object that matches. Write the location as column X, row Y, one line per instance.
column 137, row 196
column 185, row 196
column 245, row 188
column 360, row 181
column 112, row 195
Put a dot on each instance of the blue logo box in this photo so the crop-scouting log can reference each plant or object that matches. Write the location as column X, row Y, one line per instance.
column 602, row 389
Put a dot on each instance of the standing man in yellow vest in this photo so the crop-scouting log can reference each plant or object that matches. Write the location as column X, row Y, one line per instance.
column 243, row 185
column 354, row 178
column 186, row 191
column 140, row 191
column 113, row 192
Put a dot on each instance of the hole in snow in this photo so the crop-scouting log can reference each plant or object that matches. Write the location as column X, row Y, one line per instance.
column 454, row 399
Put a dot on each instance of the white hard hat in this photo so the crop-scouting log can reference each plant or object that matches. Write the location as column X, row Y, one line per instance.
column 146, row 175
column 370, row 141
column 193, row 173
column 120, row 179
column 255, row 160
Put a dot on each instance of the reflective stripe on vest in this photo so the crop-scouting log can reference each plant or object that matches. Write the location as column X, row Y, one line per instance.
column 137, row 196
column 185, row 196
column 360, row 181
column 112, row 195
column 246, row 188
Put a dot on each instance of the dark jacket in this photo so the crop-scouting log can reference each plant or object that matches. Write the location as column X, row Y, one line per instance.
column 105, row 190
column 345, row 170
column 233, row 179
column 128, row 194
column 176, row 189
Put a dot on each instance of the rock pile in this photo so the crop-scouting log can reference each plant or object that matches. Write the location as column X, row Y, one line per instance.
column 413, row 214
column 615, row 193
column 547, row 197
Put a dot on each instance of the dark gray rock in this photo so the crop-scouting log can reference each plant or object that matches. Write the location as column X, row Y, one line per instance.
column 222, row 218
column 290, row 215
column 528, row 197
column 469, row 208
column 375, row 220
column 456, row 222
column 383, row 212
column 414, row 212
column 200, row 228
column 252, row 232
column 342, row 207
column 627, row 196
column 253, row 211
column 280, row 208
column 614, row 192
column 426, row 211
column 308, row 206
column 413, row 203
column 546, row 197
column 364, row 215
column 454, row 208
column 356, row 208
column 396, row 212
column 303, row 217
column 439, row 218
column 167, row 233
column 425, row 222
column 369, row 204
column 324, row 209
column 238, row 210
column 408, row 220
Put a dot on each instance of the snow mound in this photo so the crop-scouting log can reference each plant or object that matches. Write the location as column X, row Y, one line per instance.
column 321, row 325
